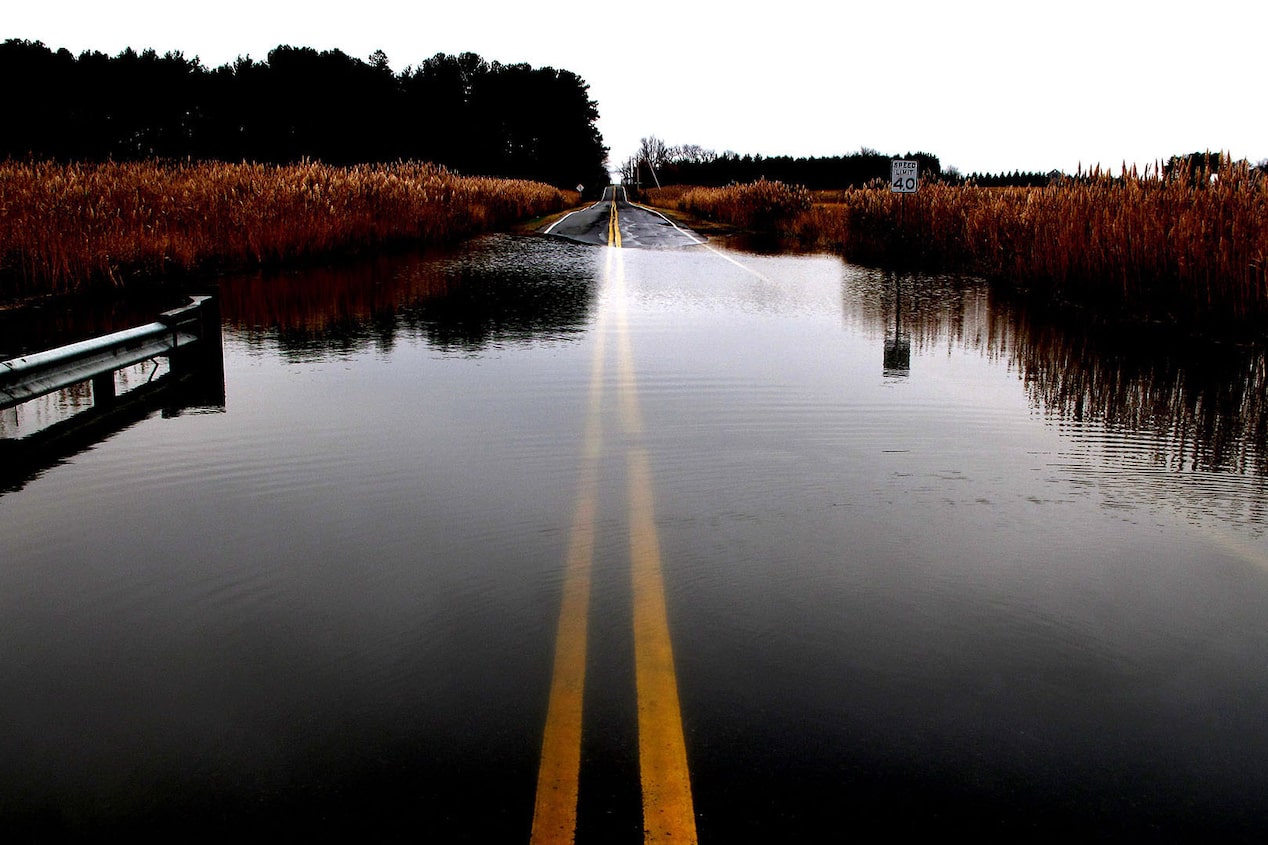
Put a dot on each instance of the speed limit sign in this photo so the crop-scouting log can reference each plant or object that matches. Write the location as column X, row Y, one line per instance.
column 903, row 176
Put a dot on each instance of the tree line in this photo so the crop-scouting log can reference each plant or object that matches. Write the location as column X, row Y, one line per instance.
column 1196, row 167
column 689, row 164
column 658, row 163
column 471, row 115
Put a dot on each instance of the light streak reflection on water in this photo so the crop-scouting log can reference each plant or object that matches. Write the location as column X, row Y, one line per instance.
column 1014, row 577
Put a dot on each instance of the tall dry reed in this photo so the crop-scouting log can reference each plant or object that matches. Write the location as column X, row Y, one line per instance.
column 1190, row 245
column 65, row 227
column 760, row 206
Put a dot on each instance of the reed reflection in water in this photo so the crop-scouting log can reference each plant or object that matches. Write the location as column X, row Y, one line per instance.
column 493, row 290
column 1162, row 411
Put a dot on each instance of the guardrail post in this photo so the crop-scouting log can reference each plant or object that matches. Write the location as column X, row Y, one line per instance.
column 103, row 390
column 208, row 350
column 194, row 328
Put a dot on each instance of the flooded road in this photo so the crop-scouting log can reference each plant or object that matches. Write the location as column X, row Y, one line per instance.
column 854, row 552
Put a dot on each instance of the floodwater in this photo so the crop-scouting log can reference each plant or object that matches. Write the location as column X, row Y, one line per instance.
column 931, row 562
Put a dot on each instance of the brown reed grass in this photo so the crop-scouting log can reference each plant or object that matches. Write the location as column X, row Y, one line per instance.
column 759, row 206
column 67, row 227
column 1179, row 247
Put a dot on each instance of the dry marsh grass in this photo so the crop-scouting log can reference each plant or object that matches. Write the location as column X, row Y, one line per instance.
column 760, row 205
column 66, row 227
column 1185, row 247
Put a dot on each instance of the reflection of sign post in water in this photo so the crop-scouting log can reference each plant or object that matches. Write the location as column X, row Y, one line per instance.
column 897, row 346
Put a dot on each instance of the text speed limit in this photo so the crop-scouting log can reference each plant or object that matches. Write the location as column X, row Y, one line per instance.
column 904, row 176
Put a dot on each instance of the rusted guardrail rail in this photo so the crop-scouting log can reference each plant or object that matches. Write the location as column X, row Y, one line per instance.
column 31, row 376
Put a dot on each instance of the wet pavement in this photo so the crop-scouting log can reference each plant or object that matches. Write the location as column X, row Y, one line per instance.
column 615, row 221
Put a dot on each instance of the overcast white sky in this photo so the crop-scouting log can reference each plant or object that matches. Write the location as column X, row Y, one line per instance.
column 985, row 85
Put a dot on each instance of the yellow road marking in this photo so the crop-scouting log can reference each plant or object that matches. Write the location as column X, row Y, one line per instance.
column 614, row 227
column 668, row 811
column 558, row 778
column 555, row 813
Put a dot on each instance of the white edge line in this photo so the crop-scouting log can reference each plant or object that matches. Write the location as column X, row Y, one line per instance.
column 719, row 253
column 552, row 226
column 667, row 220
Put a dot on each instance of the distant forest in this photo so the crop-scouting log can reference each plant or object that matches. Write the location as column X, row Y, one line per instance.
column 693, row 165
column 473, row 116
column 689, row 164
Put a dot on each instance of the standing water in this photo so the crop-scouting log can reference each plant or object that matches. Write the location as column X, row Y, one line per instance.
column 930, row 562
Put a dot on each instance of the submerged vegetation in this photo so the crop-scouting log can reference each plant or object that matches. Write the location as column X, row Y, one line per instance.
column 1184, row 245
column 69, row 227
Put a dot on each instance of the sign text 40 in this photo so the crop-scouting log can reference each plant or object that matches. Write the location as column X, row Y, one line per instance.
column 904, row 176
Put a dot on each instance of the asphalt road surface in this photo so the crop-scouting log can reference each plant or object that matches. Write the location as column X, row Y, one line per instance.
column 615, row 221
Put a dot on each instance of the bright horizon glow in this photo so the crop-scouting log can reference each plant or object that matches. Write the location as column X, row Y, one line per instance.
column 986, row 86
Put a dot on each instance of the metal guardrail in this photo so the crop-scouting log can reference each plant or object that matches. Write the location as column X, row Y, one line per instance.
column 31, row 376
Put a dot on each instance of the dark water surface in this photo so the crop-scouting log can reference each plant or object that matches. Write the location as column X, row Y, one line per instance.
column 932, row 563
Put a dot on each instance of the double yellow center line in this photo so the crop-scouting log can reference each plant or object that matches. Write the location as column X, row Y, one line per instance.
column 668, row 812
column 614, row 230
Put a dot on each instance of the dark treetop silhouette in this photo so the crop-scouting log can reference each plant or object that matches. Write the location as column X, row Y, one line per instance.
column 473, row 116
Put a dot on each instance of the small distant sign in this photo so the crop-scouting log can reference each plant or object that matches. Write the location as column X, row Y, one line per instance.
column 904, row 176
column 580, row 188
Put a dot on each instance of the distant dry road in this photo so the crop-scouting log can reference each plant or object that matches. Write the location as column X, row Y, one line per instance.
column 615, row 221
